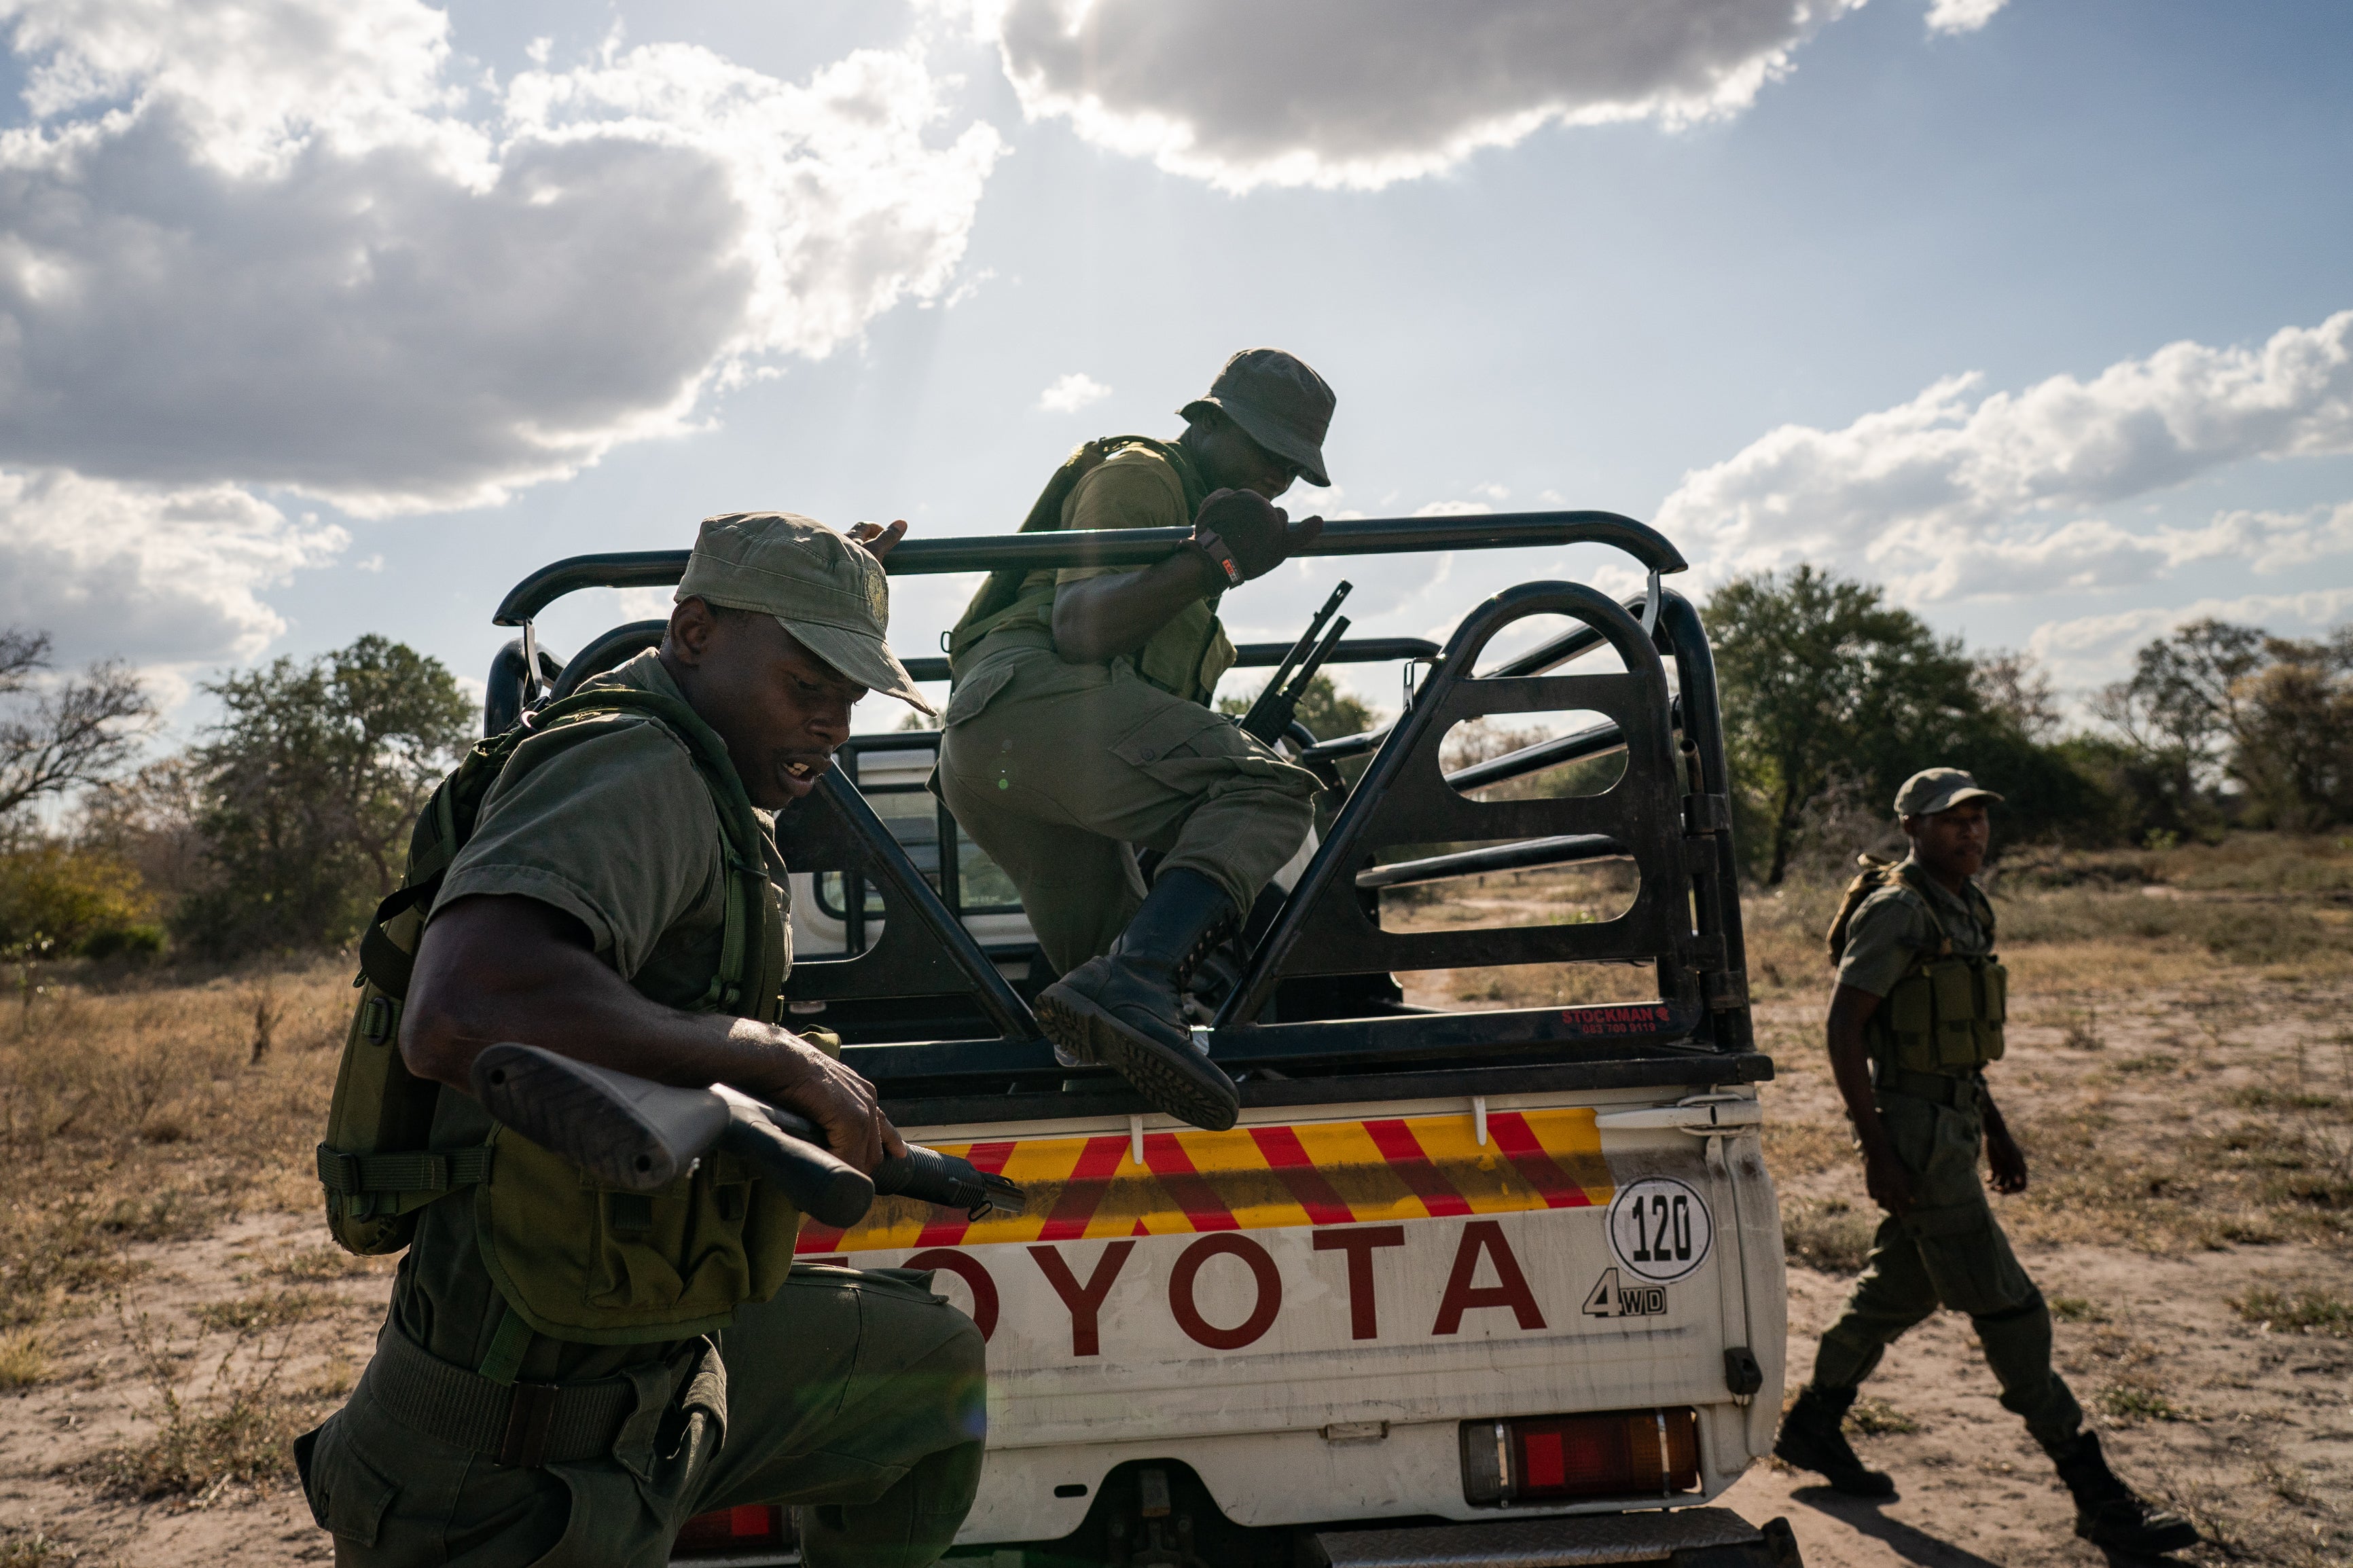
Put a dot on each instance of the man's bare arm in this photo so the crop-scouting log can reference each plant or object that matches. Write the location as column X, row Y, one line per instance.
column 495, row 968
column 1101, row 617
column 1890, row 1184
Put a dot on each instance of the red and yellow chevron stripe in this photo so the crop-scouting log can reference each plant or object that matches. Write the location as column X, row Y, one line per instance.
column 1255, row 1178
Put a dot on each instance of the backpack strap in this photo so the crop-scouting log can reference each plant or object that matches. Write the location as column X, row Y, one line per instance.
column 1000, row 600
column 450, row 816
column 418, row 1171
column 747, row 872
column 1915, row 885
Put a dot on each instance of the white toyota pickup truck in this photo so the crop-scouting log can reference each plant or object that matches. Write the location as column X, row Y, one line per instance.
column 1483, row 1287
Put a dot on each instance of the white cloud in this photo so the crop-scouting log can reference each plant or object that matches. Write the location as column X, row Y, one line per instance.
column 1961, row 15
column 158, row 576
column 1452, row 509
column 1071, row 392
column 303, row 243
column 1952, row 496
column 2091, row 650
column 1358, row 93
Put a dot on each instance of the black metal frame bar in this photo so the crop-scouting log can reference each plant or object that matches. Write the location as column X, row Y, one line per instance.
column 504, row 704
column 1131, row 547
column 1698, row 1031
column 1402, row 797
column 923, row 951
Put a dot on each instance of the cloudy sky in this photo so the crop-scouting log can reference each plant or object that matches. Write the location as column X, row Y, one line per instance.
column 320, row 317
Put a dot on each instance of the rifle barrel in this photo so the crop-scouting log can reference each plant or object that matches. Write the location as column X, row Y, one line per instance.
column 1271, row 692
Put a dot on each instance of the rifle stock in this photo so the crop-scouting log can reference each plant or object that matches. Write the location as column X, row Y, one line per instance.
column 639, row 1135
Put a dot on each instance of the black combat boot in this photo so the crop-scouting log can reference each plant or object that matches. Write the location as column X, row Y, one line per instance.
column 2110, row 1513
column 1812, row 1439
column 1126, row 1009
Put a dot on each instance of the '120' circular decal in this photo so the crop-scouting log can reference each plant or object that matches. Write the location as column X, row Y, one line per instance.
column 1659, row 1228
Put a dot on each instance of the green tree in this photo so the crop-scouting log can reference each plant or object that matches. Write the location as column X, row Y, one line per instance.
column 1327, row 710
column 1822, row 677
column 2293, row 745
column 1833, row 698
column 2183, row 714
column 306, row 788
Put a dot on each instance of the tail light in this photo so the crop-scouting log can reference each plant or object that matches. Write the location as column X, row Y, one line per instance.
column 733, row 1530
column 1561, row 1458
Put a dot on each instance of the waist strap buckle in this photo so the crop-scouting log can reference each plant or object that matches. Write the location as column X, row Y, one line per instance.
column 529, row 1419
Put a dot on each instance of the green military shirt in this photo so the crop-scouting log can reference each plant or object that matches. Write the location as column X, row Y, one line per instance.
column 619, row 832
column 1138, row 488
column 1893, row 926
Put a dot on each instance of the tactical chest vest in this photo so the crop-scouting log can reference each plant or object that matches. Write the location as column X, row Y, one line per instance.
column 1007, row 601
column 1946, row 1015
column 574, row 1261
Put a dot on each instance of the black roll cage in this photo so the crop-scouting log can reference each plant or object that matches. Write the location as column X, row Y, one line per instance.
column 1669, row 814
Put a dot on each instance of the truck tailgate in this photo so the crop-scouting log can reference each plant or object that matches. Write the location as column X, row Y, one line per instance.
column 1305, row 1309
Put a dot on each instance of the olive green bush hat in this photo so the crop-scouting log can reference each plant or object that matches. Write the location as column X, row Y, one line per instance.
column 823, row 588
column 1280, row 404
column 1932, row 789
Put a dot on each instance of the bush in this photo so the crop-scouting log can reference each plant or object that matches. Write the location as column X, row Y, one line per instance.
column 135, row 943
column 68, row 895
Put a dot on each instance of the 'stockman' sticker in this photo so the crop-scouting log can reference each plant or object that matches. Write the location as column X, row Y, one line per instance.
column 1659, row 1228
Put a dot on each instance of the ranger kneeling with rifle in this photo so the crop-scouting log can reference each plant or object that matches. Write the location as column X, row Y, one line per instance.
column 584, row 1353
column 1080, row 726
column 1918, row 1015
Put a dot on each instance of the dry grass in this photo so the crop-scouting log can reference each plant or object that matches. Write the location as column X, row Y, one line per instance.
column 2300, row 1312
column 33, row 1551
column 1828, row 1234
column 149, row 1109
column 271, row 1309
column 1874, row 1417
column 2180, row 1076
column 24, row 1359
column 234, row 1426
column 315, row 1265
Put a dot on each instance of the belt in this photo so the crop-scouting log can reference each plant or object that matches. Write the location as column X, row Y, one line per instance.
column 527, row 1425
column 1959, row 1092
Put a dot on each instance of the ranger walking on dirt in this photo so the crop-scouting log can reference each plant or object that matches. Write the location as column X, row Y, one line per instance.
column 569, row 1372
column 1918, row 1014
column 1080, row 726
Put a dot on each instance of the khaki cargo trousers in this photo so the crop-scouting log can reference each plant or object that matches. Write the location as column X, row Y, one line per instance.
column 857, row 1395
column 1950, row 1251
column 1055, row 769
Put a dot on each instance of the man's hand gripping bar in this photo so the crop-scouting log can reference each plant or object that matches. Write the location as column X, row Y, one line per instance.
column 634, row 1134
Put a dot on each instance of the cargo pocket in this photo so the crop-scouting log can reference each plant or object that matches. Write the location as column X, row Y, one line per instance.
column 348, row 1496
column 1188, row 748
column 1911, row 1127
column 1968, row 1258
column 971, row 696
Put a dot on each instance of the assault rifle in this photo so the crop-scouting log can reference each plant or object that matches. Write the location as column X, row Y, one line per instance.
column 633, row 1134
column 1277, row 704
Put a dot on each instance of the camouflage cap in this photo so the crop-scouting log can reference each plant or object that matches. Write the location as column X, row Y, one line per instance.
column 1280, row 404
column 823, row 588
column 1932, row 789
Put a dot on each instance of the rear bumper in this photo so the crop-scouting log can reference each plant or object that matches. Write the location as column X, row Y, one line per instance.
column 1689, row 1538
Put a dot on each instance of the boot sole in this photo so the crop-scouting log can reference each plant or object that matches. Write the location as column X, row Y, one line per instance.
column 2175, row 1537
column 1192, row 1089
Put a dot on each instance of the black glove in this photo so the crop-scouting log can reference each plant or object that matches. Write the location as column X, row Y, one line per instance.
column 1243, row 535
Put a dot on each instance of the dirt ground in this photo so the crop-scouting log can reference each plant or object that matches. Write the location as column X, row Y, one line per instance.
column 2180, row 1073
